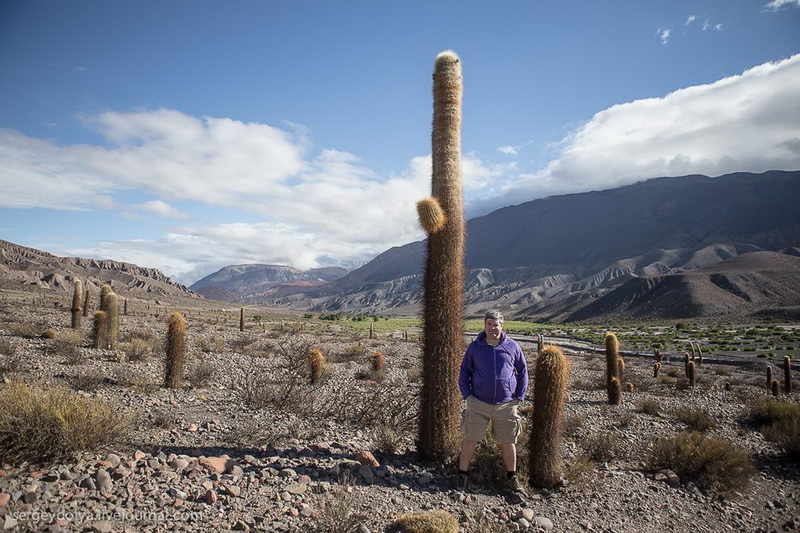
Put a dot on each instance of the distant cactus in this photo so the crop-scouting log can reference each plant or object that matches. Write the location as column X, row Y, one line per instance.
column 77, row 297
column 699, row 355
column 176, row 351
column 540, row 343
column 87, row 301
column 621, row 368
column 686, row 361
column 656, row 368
column 775, row 387
column 628, row 387
column 316, row 365
column 769, row 377
column 613, row 382
column 112, row 302
column 125, row 306
column 657, row 355
column 546, row 439
column 431, row 216
column 241, row 319
column 372, row 330
column 691, row 373
column 787, row 374
column 100, row 330
column 377, row 362
column 443, row 294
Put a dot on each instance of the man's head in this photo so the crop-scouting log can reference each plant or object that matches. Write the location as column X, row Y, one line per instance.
column 493, row 325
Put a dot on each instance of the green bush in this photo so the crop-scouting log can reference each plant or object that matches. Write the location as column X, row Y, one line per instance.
column 43, row 426
column 779, row 422
column 712, row 463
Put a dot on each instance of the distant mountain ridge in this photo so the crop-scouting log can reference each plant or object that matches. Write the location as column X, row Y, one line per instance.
column 31, row 267
column 254, row 282
column 549, row 258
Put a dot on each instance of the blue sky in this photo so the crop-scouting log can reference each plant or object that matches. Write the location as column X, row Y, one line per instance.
column 189, row 135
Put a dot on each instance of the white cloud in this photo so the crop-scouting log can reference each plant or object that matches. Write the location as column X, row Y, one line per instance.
column 156, row 207
column 690, row 19
column 711, row 26
column 664, row 35
column 742, row 123
column 508, row 150
column 777, row 5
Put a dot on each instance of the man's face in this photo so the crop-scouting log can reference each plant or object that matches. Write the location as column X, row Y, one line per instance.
column 493, row 328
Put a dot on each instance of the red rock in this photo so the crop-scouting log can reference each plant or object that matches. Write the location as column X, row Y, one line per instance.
column 138, row 455
column 216, row 464
column 366, row 458
column 210, row 496
column 4, row 498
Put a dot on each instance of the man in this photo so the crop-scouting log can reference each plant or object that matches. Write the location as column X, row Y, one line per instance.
column 493, row 381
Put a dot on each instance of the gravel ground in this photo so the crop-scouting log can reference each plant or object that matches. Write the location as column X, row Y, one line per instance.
column 256, row 447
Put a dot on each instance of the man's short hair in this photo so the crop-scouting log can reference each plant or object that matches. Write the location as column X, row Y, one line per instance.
column 494, row 314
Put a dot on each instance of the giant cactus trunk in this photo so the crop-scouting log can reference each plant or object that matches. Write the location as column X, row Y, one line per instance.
column 443, row 334
column 76, row 309
column 613, row 379
column 546, row 440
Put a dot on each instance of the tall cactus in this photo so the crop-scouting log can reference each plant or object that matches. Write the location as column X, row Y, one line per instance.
column 112, row 310
column 787, row 374
column 100, row 330
column 613, row 379
column 76, row 309
column 546, row 442
column 241, row 319
column 176, row 351
column 443, row 338
column 87, row 301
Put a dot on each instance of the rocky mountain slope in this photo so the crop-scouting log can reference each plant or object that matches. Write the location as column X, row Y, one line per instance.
column 22, row 266
column 245, row 283
column 551, row 258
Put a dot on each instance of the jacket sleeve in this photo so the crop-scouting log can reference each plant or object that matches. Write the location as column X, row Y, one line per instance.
column 521, row 367
column 465, row 375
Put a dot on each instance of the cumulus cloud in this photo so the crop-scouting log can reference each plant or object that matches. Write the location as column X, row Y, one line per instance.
column 508, row 150
column 746, row 123
column 664, row 35
column 777, row 5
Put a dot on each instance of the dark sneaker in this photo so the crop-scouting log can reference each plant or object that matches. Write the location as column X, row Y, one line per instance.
column 463, row 482
column 517, row 487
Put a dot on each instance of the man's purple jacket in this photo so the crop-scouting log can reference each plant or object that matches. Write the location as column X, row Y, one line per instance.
column 494, row 374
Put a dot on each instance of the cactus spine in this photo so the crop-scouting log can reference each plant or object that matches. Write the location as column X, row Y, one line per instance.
column 77, row 296
column 546, row 443
column 176, row 350
column 613, row 381
column 787, row 374
column 443, row 339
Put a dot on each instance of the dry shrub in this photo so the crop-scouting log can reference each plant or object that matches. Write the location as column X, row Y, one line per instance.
column 648, row 406
column 138, row 349
column 438, row 521
column 211, row 344
column 714, row 464
column 779, row 422
column 573, row 424
column 338, row 512
column 11, row 359
column 578, row 470
column 67, row 345
column 354, row 351
column 26, row 331
column 44, row 426
column 601, row 447
column 87, row 381
column 200, row 373
column 696, row 419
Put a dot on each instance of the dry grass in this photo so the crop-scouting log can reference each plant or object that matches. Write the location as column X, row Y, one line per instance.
column 43, row 426
column 779, row 422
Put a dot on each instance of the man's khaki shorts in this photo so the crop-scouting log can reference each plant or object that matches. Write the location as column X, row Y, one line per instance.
column 506, row 421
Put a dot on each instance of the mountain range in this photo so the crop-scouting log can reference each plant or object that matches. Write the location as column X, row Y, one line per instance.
column 677, row 247
column 674, row 247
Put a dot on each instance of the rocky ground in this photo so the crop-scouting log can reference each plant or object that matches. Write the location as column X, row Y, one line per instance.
column 249, row 444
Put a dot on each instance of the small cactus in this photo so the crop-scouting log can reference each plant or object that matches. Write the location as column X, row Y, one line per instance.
column 686, row 361
column 628, row 386
column 176, row 350
column 540, row 343
column 656, row 368
column 787, row 374
column 775, row 387
column 316, row 365
column 241, row 319
column 76, row 309
column 372, row 330
column 377, row 362
column 769, row 377
column 691, row 373
column 657, row 355
column 613, row 383
column 100, row 330
column 546, row 442
column 621, row 368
